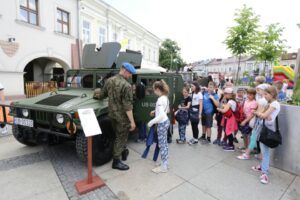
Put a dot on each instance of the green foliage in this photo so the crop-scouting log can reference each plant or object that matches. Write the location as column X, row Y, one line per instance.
column 246, row 73
column 296, row 93
column 242, row 38
column 169, row 55
column 298, row 25
column 271, row 45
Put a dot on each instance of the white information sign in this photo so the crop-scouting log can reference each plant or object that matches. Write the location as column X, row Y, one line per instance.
column 89, row 122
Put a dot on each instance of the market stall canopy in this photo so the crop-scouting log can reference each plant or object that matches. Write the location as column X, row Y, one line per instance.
column 154, row 67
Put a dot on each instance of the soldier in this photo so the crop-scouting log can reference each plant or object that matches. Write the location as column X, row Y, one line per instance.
column 120, row 108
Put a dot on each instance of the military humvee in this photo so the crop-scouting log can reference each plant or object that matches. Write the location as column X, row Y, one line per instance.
column 53, row 116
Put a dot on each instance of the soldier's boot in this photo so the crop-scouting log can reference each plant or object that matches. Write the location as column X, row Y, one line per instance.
column 117, row 164
column 125, row 154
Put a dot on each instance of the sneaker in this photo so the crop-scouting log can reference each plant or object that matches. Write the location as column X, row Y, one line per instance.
column 159, row 169
column 243, row 157
column 141, row 141
column 258, row 156
column 235, row 140
column 202, row 137
column 179, row 141
column 256, row 168
column 223, row 143
column 264, row 179
column 4, row 130
column 193, row 141
column 228, row 148
column 205, row 141
column 217, row 141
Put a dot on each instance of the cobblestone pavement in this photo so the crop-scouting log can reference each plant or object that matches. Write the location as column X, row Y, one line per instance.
column 66, row 165
column 69, row 170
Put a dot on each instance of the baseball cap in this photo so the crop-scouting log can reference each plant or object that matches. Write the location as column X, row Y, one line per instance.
column 263, row 86
column 228, row 90
column 129, row 67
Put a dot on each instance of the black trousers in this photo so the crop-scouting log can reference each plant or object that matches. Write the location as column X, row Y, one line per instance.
column 195, row 129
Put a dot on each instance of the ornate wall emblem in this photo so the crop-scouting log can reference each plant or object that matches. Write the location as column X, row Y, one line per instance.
column 9, row 48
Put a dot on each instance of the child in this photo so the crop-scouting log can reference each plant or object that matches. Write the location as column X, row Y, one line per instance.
column 249, row 107
column 210, row 100
column 281, row 94
column 262, row 104
column 161, row 89
column 269, row 116
column 184, row 105
column 196, row 108
column 218, row 118
column 240, row 100
column 228, row 120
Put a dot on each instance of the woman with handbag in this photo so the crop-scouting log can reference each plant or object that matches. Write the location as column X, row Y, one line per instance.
column 182, row 115
column 269, row 117
column 195, row 111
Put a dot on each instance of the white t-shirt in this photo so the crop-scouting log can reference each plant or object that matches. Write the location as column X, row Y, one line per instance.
column 232, row 104
column 161, row 110
column 196, row 98
column 271, row 124
column 262, row 103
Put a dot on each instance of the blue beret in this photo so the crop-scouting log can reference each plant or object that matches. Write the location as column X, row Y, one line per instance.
column 129, row 67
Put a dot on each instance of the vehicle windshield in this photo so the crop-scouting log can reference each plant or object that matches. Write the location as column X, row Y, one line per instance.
column 80, row 79
column 85, row 79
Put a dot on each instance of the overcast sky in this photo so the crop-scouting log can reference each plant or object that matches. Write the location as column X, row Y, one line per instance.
column 200, row 26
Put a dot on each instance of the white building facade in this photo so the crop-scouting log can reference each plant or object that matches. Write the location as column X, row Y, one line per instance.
column 36, row 36
column 41, row 39
column 99, row 22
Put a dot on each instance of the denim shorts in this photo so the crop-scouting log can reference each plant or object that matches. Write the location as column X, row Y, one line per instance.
column 207, row 120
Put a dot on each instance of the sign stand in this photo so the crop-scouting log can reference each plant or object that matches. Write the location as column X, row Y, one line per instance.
column 91, row 182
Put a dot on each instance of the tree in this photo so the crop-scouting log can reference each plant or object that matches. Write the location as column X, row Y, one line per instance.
column 271, row 45
column 242, row 38
column 169, row 55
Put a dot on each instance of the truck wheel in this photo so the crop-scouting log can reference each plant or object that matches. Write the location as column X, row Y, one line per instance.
column 102, row 144
column 23, row 136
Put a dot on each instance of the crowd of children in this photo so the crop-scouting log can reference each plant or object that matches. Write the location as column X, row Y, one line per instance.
column 243, row 110
column 234, row 109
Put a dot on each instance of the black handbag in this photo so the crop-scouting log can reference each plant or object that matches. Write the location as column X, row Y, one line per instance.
column 269, row 137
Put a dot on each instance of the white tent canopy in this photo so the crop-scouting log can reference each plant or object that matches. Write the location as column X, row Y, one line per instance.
column 154, row 67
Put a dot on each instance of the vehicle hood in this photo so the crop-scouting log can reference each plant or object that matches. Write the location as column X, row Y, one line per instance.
column 64, row 100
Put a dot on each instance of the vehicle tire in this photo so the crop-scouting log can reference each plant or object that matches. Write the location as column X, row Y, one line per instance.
column 102, row 144
column 23, row 136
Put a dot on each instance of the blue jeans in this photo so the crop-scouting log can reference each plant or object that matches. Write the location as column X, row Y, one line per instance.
column 181, row 130
column 265, row 163
column 162, row 132
column 142, row 130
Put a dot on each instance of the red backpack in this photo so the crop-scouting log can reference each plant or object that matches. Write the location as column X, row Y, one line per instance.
column 239, row 112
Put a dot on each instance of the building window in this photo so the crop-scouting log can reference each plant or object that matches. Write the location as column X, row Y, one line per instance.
column 63, row 21
column 115, row 37
column 102, row 34
column 29, row 11
column 129, row 44
column 86, row 30
column 154, row 56
column 149, row 54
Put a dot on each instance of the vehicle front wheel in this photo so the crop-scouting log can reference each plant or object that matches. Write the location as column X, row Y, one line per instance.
column 102, row 144
column 23, row 136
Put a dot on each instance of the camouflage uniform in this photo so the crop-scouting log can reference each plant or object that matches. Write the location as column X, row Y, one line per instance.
column 120, row 97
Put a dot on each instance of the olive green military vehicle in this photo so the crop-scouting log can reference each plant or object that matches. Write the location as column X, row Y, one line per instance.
column 53, row 117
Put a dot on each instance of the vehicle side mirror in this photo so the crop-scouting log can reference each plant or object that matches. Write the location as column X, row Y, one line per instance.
column 140, row 91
